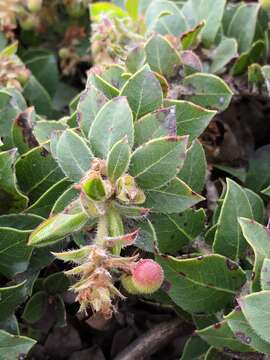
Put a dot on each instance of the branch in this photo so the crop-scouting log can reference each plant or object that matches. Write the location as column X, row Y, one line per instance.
column 151, row 341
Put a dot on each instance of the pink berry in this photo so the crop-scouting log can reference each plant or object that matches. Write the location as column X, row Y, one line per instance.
column 147, row 276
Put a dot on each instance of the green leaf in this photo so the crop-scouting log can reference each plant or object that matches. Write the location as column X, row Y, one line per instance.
column 192, row 282
column 208, row 90
column 102, row 85
column 131, row 212
column 56, row 283
column 211, row 11
column 43, row 130
column 258, row 176
column 143, row 92
column 154, row 125
column 258, row 238
column 244, row 333
column 35, row 307
column 158, row 161
column 190, row 37
column 14, row 254
column 220, row 335
column 37, row 96
column 147, row 237
column 39, row 162
column 12, row 104
column 265, row 274
column 45, row 69
column 243, row 25
column 135, row 58
column 165, row 18
column 255, row 308
column 162, row 57
column 229, row 240
column 118, row 159
column 73, row 155
column 191, row 119
column 60, row 312
column 238, row 173
column 91, row 101
column 177, row 230
column 195, row 163
column 132, row 7
column 45, row 203
column 113, row 122
column 56, row 228
column 191, row 63
column 115, row 75
column 174, row 197
column 102, row 7
column 221, row 56
column 11, row 199
column 266, row 191
column 194, row 348
column 11, row 298
column 247, row 58
column 65, row 199
column 14, row 346
column 10, row 324
column 9, row 50
column 20, row 221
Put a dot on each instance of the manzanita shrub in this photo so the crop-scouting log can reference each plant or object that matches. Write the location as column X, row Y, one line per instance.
column 118, row 196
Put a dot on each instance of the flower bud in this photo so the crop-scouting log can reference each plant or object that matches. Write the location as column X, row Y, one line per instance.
column 147, row 276
column 96, row 188
column 93, row 209
column 128, row 191
column 34, row 5
column 265, row 4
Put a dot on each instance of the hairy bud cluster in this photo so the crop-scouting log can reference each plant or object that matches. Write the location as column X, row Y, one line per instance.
column 97, row 189
column 13, row 73
column 98, row 266
column 96, row 272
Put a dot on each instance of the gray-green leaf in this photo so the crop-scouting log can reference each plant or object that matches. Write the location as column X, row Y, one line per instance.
column 143, row 92
column 158, row 161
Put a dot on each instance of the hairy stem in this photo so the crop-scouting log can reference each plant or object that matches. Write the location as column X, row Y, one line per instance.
column 102, row 230
column 116, row 227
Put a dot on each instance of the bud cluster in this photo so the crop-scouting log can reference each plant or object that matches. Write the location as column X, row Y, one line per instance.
column 97, row 189
column 111, row 38
column 13, row 73
column 98, row 266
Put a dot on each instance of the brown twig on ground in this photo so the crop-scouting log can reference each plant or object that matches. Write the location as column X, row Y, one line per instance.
column 152, row 340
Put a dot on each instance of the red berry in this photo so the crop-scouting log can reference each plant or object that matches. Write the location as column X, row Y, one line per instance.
column 147, row 276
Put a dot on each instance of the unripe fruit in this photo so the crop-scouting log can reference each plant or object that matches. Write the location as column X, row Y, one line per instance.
column 34, row 5
column 128, row 285
column 147, row 276
column 265, row 4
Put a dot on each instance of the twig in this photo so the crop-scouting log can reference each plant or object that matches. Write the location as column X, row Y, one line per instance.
column 151, row 341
